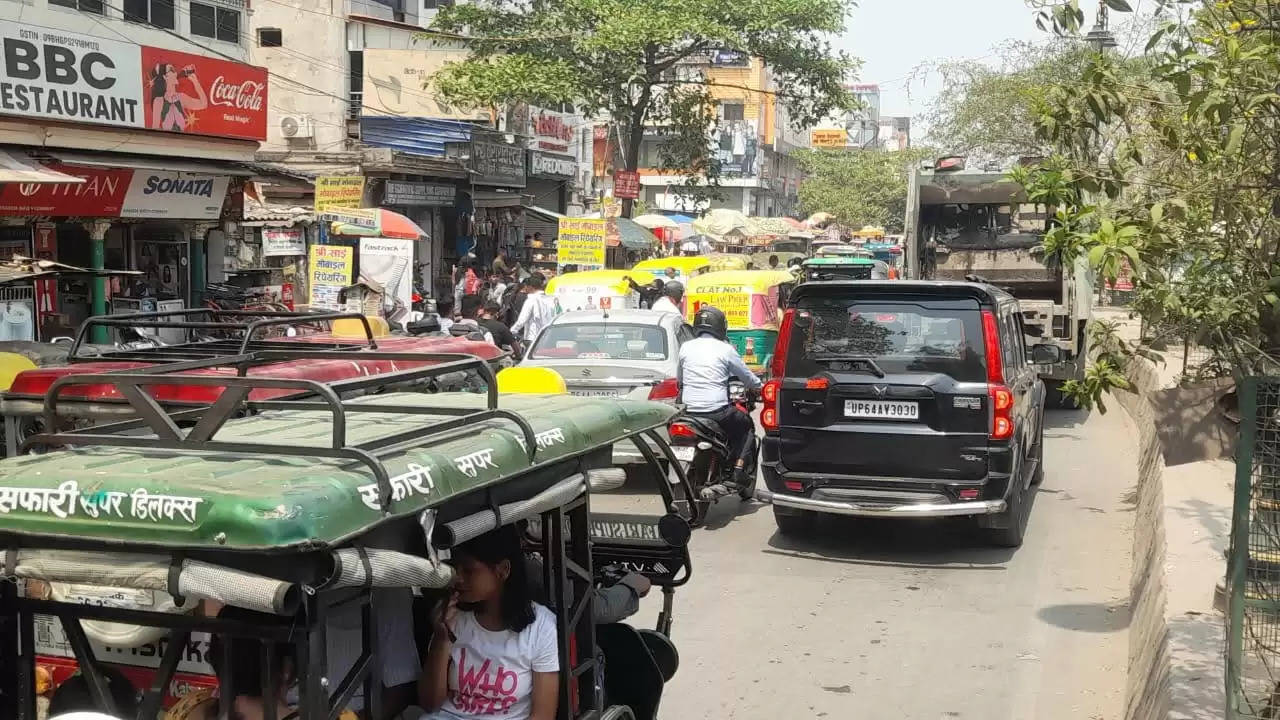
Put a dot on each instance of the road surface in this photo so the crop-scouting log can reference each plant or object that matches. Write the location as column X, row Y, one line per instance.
column 918, row 619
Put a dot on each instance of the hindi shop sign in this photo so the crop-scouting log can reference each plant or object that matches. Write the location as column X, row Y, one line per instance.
column 283, row 243
column 497, row 164
column 338, row 191
column 581, row 241
column 626, row 184
column 329, row 267
column 418, row 194
column 67, row 76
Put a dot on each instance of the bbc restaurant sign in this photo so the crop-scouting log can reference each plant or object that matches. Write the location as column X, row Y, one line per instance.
column 66, row 76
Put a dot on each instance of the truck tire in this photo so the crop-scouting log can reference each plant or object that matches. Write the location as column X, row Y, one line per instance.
column 1054, row 397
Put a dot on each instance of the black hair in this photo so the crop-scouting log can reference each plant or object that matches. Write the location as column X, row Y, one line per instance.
column 492, row 307
column 537, row 281
column 444, row 306
column 773, row 259
column 471, row 305
column 158, row 72
column 73, row 694
column 492, row 548
column 246, row 655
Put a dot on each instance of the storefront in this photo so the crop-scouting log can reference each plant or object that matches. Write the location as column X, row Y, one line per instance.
column 433, row 206
column 493, row 216
column 125, row 214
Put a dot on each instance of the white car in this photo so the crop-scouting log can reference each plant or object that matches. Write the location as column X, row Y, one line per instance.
column 624, row 353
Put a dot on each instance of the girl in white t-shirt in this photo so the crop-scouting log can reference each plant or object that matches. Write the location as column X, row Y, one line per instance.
column 493, row 650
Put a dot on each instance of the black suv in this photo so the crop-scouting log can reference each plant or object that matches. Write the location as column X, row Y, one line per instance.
column 903, row 399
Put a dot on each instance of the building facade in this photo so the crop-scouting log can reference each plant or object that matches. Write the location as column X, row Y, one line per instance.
column 151, row 115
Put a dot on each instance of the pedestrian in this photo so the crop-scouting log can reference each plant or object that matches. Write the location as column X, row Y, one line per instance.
column 500, row 266
column 470, row 322
column 444, row 308
column 670, row 274
column 497, row 287
column 513, row 301
column 773, row 262
column 490, row 319
column 538, row 310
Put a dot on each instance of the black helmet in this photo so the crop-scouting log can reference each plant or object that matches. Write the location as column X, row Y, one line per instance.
column 673, row 290
column 710, row 320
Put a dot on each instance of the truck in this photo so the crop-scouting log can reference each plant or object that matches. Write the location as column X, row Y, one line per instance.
column 976, row 224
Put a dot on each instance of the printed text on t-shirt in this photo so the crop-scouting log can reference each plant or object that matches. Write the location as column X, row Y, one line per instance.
column 482, row 693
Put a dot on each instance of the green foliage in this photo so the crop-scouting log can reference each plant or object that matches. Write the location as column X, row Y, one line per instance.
column 859, row 187
column 1183, row 149
column 634, row 60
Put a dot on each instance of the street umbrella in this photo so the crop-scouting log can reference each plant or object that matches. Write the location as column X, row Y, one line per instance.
column 373, row 222
column 653, row 221
column 819, row 220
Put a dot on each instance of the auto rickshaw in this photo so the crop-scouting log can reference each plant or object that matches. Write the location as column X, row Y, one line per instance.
column 585, row 290
column 750, row 300
column 728, row 261
column 686, row 267
column 846, row 267
column 270, row 525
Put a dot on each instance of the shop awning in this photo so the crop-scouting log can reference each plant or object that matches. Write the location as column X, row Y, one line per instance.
column 634, row 237
column 495, row 199
column 21, row 269
column 16, row 168
column 158, row 164
column 551, row 215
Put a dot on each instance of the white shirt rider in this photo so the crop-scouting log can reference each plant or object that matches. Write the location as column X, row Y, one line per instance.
column 665, row 304
column 706, row 366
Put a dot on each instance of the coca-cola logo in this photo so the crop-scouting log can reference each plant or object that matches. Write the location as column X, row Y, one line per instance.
column 247, row 95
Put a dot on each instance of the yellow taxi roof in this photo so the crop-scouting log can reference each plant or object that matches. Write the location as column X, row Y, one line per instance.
column 598, row 277
column 756, row 279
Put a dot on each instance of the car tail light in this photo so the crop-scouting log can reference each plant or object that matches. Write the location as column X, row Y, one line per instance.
column 818, row 383
column 681, row 431
column 666, row 390
column 968, row 494
column 793, row 485
column 1001, row 397
column 769, row 394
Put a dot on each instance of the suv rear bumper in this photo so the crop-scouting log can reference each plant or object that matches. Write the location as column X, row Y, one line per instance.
column 845, row 507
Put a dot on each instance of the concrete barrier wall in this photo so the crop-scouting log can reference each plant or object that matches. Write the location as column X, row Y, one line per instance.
column 1147, row 686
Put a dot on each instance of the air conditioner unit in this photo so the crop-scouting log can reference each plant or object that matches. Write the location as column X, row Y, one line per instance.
column 297, row 126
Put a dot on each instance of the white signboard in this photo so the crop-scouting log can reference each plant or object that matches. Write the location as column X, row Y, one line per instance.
column 63, row 75
column 276, row 243
column 178, row 196
column 390, row 262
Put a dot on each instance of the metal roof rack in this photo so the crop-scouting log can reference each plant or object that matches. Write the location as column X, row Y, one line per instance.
column 308, row 395
column 244, row 325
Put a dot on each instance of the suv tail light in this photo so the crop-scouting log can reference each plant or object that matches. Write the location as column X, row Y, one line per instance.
column 999, row 394
column 769, row 396
column 666, row 390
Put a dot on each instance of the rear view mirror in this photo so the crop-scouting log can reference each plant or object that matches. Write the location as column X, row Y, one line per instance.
column 1046, row 354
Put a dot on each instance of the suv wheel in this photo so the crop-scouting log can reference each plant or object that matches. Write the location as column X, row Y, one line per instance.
column 1014, row 520
column 794, row 523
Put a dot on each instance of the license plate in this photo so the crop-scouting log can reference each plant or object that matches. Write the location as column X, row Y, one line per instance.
column 882, row 409
column 684, row 454
column 595, row 393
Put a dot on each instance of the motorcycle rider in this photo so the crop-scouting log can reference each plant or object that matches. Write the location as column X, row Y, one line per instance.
column 669, row 301
column 706, row 366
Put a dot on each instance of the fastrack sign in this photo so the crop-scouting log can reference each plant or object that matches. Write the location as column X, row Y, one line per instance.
column 72, row 77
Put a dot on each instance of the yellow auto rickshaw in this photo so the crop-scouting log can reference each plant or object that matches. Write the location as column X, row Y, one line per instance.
column 585, row 290
column 751, row 301
column 686, row 267
column 728, row 261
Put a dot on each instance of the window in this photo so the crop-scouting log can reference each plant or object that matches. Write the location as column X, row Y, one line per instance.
column 215, row 22
column 602, row 342
column 355, row 80
column 97, row 7
column 732, row 113
column 270, row 37
column 436, row 4
column 159, row 13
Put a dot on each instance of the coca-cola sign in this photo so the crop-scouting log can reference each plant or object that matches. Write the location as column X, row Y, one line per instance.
column 200, row 95
column 67, row 76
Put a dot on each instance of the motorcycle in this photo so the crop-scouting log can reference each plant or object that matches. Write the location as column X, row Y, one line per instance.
column 700, row 444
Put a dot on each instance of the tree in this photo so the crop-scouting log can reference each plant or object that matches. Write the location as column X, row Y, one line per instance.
column 1185, row 156
column 630, row 59
column 988, row 111
column 858, row 187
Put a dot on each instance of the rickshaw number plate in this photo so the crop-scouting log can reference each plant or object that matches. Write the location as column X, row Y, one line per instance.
column 882, row 409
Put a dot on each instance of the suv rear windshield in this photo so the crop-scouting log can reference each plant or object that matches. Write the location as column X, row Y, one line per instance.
column 606, row 341
column 898, row 337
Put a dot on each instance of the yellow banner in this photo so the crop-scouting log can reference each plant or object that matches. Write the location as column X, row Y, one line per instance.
column 581, row 242
column 829, row 138
column 340, row 191
column 329, row 269
column 732, row 300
